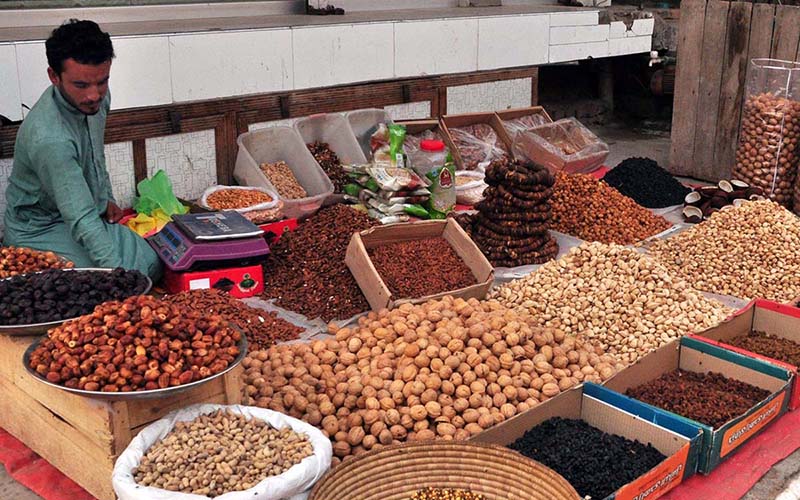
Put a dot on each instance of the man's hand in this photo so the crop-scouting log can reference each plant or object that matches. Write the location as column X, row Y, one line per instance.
column 113, row 213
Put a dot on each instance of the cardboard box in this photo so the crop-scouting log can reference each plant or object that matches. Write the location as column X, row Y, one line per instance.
column 678, row 440
column 449, row 122
column 543, row 145
column 693, row 355
column 765, row 316
column 241, row 282
column 375, row 290
column 511, row 114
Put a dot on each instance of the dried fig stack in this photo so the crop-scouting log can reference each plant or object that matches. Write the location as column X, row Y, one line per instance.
column 512, row 221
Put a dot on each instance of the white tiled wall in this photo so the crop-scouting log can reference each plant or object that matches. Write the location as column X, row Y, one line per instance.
column 119, row 161
column 9, row 90
column 188, row 159
column 5, row 171
column 331, row 55
column 410, row 111
column 506, row 42
column 490, row 96
column 435, row 47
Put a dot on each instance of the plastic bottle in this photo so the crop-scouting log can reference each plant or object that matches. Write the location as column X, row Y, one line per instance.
column 433, row 161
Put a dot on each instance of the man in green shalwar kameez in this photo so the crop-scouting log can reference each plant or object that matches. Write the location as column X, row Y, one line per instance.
column 59, row 194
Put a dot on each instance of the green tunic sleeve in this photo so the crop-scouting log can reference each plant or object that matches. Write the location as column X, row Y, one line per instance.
column 63, row 182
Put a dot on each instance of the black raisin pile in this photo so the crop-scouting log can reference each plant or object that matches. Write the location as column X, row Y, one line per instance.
column 647, row 183
column 595, row 463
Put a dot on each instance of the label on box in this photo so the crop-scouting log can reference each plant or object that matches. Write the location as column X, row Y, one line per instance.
column 200, row 284
column 741, row 432
column 665, row 476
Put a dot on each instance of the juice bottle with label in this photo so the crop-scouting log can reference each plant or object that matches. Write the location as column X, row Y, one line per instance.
column 433, row 161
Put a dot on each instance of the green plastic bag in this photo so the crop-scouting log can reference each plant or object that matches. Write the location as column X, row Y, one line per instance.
column 156, row 192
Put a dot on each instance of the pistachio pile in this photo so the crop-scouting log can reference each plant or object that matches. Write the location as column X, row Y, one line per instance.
column 748, row 251
column 444, row 369
column 220, row 452
column 625, row 302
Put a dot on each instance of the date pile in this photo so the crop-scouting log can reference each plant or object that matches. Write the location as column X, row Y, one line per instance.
column 595, row 463
column 305, row 271
column 413, row 269
column 20, row 260
column 262, row 328
column 330, row 163
column 512, row 221
column 54, row 295
column 446, row 369
column 139, row 344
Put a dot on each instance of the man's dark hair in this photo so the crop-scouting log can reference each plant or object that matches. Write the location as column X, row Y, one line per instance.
column 83, row 41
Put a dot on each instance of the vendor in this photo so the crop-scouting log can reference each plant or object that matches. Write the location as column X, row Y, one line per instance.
column 59, row 192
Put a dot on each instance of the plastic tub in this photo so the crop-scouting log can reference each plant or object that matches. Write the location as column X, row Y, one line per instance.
column 364, row 123
column 275, row 144
column 333, row 129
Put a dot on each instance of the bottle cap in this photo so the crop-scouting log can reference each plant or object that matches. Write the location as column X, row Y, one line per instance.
column 431, row 145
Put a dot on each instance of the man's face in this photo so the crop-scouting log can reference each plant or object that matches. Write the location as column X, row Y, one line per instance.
column 82, row 85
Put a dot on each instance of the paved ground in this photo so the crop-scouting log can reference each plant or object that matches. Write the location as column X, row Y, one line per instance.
column 623, row 142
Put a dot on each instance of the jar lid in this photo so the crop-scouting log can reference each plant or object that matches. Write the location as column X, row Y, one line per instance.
column 431, row 145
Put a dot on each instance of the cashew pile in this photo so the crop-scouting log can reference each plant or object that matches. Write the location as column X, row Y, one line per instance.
column 444, row 369
column 748, row 251
column 623, row 301
column 220, row 452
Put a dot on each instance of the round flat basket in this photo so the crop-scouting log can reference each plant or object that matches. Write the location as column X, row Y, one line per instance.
column 397, row 472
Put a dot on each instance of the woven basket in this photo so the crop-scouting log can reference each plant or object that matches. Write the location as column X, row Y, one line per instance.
column 397, row 472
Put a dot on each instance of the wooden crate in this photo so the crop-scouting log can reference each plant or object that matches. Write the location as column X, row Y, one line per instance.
column 82, row 437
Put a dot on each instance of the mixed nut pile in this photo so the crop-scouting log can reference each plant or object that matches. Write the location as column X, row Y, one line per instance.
column 444, row 369
column 232, row 199
column 748, row 251
column 413, row 269
column 709, row 398
column 591, row 210
column 21, row 260
column 305, row 271
column 511, row 225
column 282, row 177
column 596, row 464
column 219, row 453
column 142, row 343
column 625, row 302
column 54, row 294
column 262, row 328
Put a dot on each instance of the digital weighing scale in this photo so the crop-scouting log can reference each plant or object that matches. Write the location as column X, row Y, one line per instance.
column 200, row 240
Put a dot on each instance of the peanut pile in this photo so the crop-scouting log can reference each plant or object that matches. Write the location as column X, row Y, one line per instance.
column 220, row 452
column 142, row 343
column 262, row 328
column 591, row 210
column 231, row 199
column 748, row 251
column 281, row 176
column 444, row 369
column 625, row 302
column 20, row 260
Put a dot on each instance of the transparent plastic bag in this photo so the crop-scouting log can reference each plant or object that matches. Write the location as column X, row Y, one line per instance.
column 270, row 205
column 564, row 145
column 412, row 143
column 477, row 144
column 767, row 155
column 469, row 187
column 523, row 123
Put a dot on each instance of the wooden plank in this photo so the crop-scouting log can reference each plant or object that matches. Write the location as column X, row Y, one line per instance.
column 732, row 88
column 139, row 160
column 714, row 34
column 760, row 33
column 56, row 441
column 787, row 32
column 145, row 411
column 687, row 78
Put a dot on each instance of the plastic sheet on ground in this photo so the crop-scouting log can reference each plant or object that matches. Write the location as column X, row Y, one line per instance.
column 312, row 327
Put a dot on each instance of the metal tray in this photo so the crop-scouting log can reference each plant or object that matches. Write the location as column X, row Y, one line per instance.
column 130, row 396
column 41, row 328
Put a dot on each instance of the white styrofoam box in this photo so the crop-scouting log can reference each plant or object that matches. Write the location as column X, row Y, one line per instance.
column 580, row 18
column 505, row 42
column 629, row 45
column 489, row 96
column 409, row 111
column 617, row 29
column 562, row 35
column 141, row 63
column 210, row 65
column 578, row 51
column 10, row 106
column 32, row 71
column 332, row 55
column 640, row 27
column 435, row 47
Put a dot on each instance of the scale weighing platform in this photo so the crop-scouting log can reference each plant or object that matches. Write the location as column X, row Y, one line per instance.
column 220, row 250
